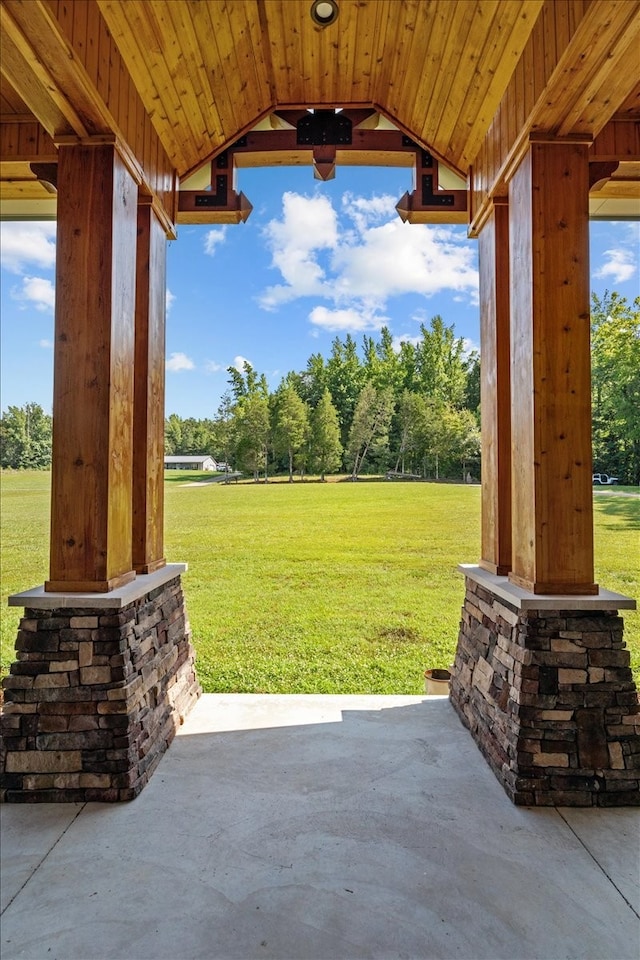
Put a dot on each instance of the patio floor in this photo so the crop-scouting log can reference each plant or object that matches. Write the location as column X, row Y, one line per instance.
column 319, row 827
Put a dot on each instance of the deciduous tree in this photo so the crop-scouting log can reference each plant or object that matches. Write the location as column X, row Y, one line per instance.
column 25, row 438
column 291, row 424
column 370, row 427
column 252, row 418
column 326, row 448
column 615, row 365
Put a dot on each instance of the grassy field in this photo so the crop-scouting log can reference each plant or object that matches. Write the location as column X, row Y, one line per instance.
column 311, row 587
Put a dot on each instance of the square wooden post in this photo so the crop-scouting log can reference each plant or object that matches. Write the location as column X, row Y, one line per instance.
column 550, row 371
column 148, row 420
column 93, row 372
column 495, row 390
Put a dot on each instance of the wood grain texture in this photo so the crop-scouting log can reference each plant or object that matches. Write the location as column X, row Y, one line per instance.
column 619, row 140
column 67, row 69
column 578, row 67
column 148, row 419
column 180, row 80
column 495, row 391
column 25, row 142
column 207, row 69
column 550, row 371
column 93, row 371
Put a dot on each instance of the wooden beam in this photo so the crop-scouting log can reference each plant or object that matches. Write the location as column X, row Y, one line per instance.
column 570, row 87
column 47, row 60
column 43, row 70
column 495, row 390
column 25, row 142
column 429, row 203
column 618, row 140
column 552, row 493
column 148, row 408
column 91, row 496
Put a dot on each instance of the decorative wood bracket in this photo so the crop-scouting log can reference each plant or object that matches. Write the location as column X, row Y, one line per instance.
column 220, row 204
column 429, row 203
column 323, row 138
column 47, row 174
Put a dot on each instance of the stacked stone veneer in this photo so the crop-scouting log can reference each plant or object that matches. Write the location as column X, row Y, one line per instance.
column 95, row 698
column 550, row 700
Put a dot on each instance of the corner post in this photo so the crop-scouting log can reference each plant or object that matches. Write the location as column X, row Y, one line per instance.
column 495, row 390
column 148, row 419
column 93, row 371
column 550, row 371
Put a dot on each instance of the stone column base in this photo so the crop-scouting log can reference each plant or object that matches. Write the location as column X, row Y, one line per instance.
column 548, row 695
column 97, row 692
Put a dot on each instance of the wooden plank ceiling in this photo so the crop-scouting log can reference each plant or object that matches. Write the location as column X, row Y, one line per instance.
column 207, row 70
column 181, row 80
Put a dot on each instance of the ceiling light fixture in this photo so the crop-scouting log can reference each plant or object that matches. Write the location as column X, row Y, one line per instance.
column 324, row 12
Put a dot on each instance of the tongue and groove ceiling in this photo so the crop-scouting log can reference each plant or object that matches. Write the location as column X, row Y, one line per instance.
column 207, row 71
column 458, row 76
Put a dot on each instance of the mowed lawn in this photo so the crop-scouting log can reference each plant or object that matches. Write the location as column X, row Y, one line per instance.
column 308, row 587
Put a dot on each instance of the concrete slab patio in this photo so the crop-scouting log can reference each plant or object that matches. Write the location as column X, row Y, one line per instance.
column 319, row 827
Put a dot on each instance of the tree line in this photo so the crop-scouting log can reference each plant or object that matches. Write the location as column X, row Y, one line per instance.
column 615, row 386
column 412, row 409
column 368, row 409
column 25, row 438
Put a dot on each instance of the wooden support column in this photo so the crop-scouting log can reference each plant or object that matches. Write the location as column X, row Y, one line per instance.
column 495, row 390
column 93, row 372
column 550, row 371
column 148, row 419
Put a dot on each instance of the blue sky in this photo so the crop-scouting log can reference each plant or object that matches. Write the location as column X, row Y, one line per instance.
column 314, row 261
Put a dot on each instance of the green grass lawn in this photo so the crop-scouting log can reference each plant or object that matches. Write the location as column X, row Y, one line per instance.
column 310, row 587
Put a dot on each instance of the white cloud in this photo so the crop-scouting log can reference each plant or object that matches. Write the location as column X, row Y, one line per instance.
column 308, row 225
column 620, row 265
column 212, row 367
column 369, row 258
column 365, row 211
column 349, row 318
column 45, row 344
column 179, row 361
column 27, row 243
column 239, row 362
column 169, row 301
column 37, row 291
column 396, row 258
column 213, row 239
